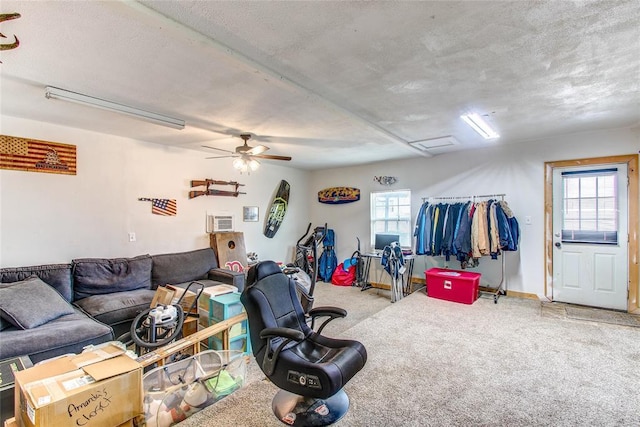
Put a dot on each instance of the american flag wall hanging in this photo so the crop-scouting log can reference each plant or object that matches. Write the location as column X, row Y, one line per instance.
column 33, row 155
column 167, row 207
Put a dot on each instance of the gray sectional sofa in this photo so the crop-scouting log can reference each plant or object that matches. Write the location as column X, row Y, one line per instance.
column 55, row 309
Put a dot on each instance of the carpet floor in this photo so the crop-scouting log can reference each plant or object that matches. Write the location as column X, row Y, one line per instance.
column 438, row 363
column 590, row 314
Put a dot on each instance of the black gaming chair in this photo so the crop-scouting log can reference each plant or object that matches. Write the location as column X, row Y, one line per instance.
column 309, row 368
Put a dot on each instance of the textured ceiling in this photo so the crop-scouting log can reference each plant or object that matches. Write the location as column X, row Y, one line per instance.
column 328, row 83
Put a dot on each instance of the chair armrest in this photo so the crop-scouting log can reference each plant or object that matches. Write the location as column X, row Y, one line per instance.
column 229, row 277
column 271, row 356
column 330, row 312
column 292, row 334
column 334, row 312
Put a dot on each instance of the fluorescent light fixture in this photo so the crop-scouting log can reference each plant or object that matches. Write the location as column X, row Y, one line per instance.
column 56, row 93
column 475, row 121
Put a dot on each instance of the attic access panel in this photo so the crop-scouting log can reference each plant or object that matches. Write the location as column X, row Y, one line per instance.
column 433, row 143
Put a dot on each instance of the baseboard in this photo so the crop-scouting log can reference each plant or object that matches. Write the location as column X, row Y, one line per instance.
column 423, row 282
column 381, row 286
column 525, row 295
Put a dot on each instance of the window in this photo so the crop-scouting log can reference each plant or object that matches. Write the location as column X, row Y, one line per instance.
column 391, row 213
column 590, row 207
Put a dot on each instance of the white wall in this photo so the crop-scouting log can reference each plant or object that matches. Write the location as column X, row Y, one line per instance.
column 516, row 170
column 50, row 218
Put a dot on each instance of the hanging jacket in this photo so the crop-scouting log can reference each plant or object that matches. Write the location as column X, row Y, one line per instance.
column 514, row 227
column 462, row 242
column 494, row 236
column 504, row 231
column 418, row 232
column 438, row 227
column 461, row 213
column 449, row 230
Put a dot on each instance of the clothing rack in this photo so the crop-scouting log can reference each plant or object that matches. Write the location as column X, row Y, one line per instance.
column 501, row 288
column 470, row 198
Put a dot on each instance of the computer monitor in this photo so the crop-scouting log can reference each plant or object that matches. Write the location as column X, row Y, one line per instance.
column 384, row 239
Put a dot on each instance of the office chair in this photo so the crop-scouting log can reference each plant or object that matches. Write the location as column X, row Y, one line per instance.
column 309, row 368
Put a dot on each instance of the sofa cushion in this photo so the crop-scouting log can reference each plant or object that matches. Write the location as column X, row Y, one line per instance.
column 57, row 276
column 182, row 267
column 117, row 307
column 97, row 276
column 66, row 334
column 31, row 303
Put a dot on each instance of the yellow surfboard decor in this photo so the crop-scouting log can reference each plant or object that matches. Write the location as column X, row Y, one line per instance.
column 338, row 195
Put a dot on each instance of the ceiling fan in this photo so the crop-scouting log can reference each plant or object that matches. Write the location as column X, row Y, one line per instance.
column 248, row 153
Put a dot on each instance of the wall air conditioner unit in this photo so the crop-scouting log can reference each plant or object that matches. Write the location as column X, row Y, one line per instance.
column 218, row 223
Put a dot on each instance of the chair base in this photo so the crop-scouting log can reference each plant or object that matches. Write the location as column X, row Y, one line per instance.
column 296, row 410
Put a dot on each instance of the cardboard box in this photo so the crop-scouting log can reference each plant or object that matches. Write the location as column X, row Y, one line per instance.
column 453, row 285
column 211, row 292
column 190, row 326
column 188, row 297
column 133, row 422
column 163, row 295
column 102, row 387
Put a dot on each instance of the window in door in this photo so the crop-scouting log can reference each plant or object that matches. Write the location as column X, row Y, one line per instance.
column 391, row 213
column 590, row 207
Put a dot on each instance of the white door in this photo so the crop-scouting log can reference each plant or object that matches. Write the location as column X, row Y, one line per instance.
column 590, row 240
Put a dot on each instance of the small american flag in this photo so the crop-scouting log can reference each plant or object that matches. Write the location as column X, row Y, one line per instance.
column 166, row 207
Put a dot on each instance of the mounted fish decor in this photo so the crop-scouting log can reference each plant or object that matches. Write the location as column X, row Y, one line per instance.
column 385, row 180
column 338, row 195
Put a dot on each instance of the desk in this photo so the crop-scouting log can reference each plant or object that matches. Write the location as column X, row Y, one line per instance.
column 399, row 288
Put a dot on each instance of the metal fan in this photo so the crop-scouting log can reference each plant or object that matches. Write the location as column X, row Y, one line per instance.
column 246, row 152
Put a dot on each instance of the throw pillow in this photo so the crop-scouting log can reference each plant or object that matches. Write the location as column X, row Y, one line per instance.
column 99, row 276
column 31, row 303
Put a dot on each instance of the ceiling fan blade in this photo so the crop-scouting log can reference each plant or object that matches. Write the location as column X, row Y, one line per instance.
column 259, row 149
column 272, row 157
column 220, row 157
column 219, row 149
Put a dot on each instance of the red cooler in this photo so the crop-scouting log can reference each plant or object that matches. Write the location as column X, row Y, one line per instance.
column 453, row 285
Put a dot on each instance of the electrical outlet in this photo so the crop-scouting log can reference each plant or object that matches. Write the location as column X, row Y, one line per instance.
column 132, row 237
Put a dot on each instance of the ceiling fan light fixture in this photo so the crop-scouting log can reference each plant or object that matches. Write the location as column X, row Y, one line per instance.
column 239, row 164
column 66, row 95
column 480, row 126
column 245, row 164
column 253, row 164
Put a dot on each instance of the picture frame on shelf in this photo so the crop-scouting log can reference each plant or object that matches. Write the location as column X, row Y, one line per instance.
column 250, row 214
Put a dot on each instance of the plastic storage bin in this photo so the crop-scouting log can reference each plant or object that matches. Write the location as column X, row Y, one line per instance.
column 453, row 285
column 176, row 391
column 226, row 306
column 223, row 307
column 236, row 343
